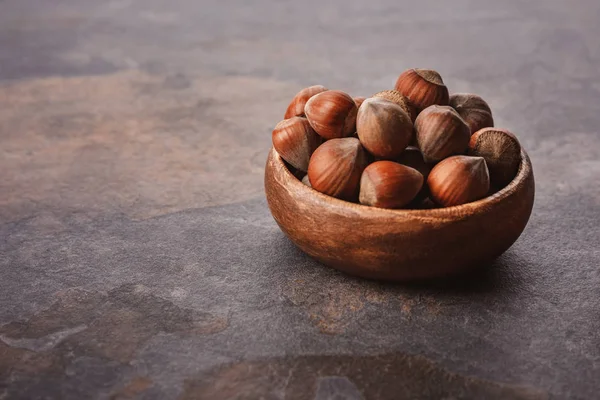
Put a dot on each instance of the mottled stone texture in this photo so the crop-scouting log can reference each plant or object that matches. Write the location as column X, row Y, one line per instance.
column 138, row 258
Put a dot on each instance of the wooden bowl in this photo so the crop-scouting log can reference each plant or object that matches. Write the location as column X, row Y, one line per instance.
column 398, row 245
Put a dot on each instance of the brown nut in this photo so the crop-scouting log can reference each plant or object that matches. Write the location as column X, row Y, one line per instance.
column 332, row 114
column 473, row 109
column 396, row 97
column 295, row 140
column 441, row 132
column 425, row 204
column 459, row 180
column 384, row 129
column 296, row 106
column 336, row 166
column 387, row 184
column 306, row 181
column 293, row 170
column 413, row 158
column 359, row 100
column 501, row 151
column 423, row 87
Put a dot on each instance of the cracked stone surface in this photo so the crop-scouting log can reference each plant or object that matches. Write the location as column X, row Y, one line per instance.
column 138, row 257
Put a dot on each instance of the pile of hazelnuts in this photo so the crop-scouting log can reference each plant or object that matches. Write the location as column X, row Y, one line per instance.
column 415, row 146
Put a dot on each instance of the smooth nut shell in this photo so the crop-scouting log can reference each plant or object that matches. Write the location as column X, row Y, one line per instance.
column 306, row 181
column 383, row 127
column 459, row 180
column 336, row 166
column 423, row 87
column 332, row 114
column 440, row 133
column 387, row 184
column 295, row 140
column 502, row 153
column 412, row 157
column 396, row 97
column 473, row 109
column 296, row 106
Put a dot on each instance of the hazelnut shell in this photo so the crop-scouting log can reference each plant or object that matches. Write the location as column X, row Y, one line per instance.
column 459, row 180
column 440, row 133
column 423, row 87
column 413, row 158
column 306, row 181
column 383, row 127
column 387, row 184
column 295, row 140
column 359, row 100
column 502, row 153
column 473, row 109
column 396, row 97
column 336, row 166
column 296, row 106
column 332, row 114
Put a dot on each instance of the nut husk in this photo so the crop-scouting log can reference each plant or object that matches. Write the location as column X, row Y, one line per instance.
column 396, row 97
column 502, row 153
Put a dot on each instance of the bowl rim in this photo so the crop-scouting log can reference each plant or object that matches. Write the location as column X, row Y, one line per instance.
column 463, row 210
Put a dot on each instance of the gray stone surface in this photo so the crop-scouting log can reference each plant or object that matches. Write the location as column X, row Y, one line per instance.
column 138, row 258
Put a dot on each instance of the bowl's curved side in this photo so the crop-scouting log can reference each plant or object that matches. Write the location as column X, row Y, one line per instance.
column 398, row 244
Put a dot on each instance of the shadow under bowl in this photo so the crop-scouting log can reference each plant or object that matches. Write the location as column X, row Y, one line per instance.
column 398, row 245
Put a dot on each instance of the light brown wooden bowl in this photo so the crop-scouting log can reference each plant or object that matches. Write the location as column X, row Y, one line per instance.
column 398, row 245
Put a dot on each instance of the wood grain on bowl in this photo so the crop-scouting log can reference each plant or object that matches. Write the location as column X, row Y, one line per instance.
column 398, row 245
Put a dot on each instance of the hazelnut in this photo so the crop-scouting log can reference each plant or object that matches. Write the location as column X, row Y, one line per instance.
column 396, row 97
column 295, row 140
column 473, row 109
column 388, row 184
column 293, row 170
column 440, row 133
column 296, row 107
column 413, row 158
column 423, row 87
column 383, row 127
column 332, row 114
column 458, row 180
column 501, row 151
column 425, row 204
column 359, row 100
column 336, row 166
column 306, row 181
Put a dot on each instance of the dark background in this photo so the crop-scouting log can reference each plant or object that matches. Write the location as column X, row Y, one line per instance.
column 138, row 258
